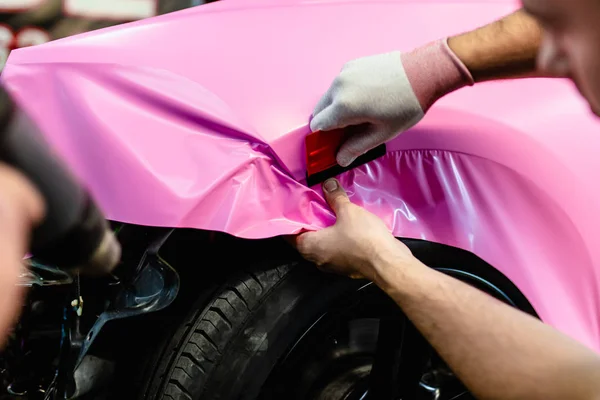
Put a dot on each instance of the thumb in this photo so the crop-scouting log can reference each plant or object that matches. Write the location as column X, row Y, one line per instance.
column 335, row 195
column 361, row 142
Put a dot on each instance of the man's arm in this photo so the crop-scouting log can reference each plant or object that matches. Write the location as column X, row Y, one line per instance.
column 497, row 352
column 506, row 48
column 385, row 94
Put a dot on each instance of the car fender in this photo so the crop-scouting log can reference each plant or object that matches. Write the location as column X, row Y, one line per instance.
column 211, row 137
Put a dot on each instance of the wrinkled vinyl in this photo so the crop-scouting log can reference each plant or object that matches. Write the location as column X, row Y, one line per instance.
column 209, row 134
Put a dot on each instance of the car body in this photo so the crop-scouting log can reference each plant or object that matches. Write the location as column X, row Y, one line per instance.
column 209, row 134
column 26, row 23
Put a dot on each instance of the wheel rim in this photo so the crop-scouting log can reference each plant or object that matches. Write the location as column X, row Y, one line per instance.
column 364, row 348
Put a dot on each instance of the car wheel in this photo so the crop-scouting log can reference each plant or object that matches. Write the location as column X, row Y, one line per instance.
column 288, row 331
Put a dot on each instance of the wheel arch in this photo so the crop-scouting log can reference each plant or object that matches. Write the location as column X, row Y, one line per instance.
column 514, row 198
column 453, row 260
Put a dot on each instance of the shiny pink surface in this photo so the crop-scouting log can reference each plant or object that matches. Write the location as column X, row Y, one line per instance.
column 208, row 133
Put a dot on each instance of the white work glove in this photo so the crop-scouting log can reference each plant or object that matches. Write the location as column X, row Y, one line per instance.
column 385, row 94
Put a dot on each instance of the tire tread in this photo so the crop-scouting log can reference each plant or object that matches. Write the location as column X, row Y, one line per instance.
column 199, row 351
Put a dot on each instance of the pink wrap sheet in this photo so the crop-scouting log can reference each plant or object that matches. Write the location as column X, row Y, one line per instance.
column 208, row 133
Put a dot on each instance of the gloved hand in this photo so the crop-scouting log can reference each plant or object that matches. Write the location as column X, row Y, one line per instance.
column 386, row 94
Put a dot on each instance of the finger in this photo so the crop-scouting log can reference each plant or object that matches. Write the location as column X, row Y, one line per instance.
column 325, row 120
column 292, row 239
column 359, row 143
column 323, row 102
column 319, row 113
column 335, row 195
column 310, row 246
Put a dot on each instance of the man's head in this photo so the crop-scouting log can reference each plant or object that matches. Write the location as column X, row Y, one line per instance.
column 571, row 43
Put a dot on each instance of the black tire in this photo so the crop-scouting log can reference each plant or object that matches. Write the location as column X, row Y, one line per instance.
column 243, row 331
column 230, row 346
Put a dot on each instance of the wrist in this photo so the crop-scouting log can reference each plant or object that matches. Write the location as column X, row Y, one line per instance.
column 434, row 70
column 393, row 265
column 506, row 48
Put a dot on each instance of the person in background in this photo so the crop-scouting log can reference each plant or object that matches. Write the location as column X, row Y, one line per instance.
column 497, row 351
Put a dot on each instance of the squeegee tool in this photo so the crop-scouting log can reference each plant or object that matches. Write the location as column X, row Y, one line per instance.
column 321, row 149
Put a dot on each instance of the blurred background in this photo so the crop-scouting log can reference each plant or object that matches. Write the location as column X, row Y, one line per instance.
column 31, row 22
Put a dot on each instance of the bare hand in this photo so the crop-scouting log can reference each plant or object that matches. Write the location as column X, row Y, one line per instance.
column 356, row 244
column 21, row 207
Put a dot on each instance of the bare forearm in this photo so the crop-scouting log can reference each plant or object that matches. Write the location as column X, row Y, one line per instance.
column 497, row 351
column 506, row 48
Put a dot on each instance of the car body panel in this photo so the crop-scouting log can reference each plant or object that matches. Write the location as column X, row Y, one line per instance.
column 209, row 134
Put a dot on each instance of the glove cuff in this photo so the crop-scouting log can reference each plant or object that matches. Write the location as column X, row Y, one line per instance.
column 434, row 71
